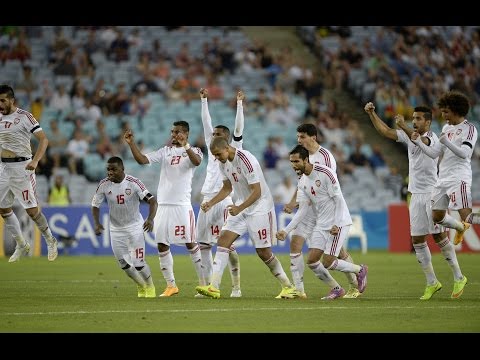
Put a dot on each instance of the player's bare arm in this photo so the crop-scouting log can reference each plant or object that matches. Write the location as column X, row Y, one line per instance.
column 378, row 123
column 254, row 196
column 98, row 227
column 281, row 235
column 222, row 194
column 288, row 208
column 334, row 230
column 183, row 141
column 152, row 211
column 42, row 147
column 240, row 95
column 137, row 154
column 400, row 121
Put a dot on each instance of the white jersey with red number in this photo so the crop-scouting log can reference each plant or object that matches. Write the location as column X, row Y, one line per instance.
column 123, row 201
column 452, row 167
column 422, row 169
column 16, row 131
column 176, row 174
column 243, row 171
column 322, row 188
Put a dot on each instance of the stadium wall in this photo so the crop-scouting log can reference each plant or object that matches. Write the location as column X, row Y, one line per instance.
column 399, row 232
column 73, row 226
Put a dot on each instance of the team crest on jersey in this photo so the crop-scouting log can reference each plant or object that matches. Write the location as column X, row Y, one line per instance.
column 318, row 183
column 459, row 131
column 16, row 121
column 128, row 191
column 239, row 170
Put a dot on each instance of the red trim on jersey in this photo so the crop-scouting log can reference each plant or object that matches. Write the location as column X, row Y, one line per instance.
column 29, row 116
column 326, row 156
column 245, row 160
column 326, row 172
column 136, row 181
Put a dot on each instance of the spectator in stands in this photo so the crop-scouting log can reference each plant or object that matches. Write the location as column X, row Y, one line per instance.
column 59, row 194
column 57, row 145
column 61, row 100
column 357, row 157
column 377, row 160
column 118, row 50
column 270, row 155
column 283, row 193
column 77, row 149
column 66, row 67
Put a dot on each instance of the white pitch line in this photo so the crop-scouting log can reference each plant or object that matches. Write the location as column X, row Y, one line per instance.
column 48, row 313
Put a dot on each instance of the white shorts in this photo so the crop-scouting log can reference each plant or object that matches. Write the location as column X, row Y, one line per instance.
column 174, row 224
column 456, row 196
column 260, row 228
column 210, row 223
column 420, row 212
column 330, row 244
column 17, row 182
column 128, row 246
column 305, row 228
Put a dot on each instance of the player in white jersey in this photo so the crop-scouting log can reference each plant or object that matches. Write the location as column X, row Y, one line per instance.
column 307, row 137
column 17, row 172
column 175, row 219
column 123, row 193
column 453, row 188
column 253, row 212
column 318, row 185
column 209, row 224
column 422, row 171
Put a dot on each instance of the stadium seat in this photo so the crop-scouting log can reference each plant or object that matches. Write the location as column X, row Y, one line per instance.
column 356, row 231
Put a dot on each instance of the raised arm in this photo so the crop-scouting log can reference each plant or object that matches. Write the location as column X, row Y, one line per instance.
column 206, row 118
column 137, row 154
column 380, row 126
column 239, row 118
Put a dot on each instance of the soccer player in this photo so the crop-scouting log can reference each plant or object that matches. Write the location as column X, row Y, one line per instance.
column 307, row 137
column 175, row 219
column 453, row 188
column 209, row 224
column 17, row 172
column 123, row 193
column 253, row 212
column 318, row 185
column 422, row 178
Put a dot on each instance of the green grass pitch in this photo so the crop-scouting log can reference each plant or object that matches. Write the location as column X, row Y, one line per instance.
column 92, row 294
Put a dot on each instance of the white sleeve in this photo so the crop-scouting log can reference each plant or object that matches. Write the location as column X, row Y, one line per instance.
column 431, row 151
column 302, row 211
column 239, row 120
column 462, row 152
column 207, row 122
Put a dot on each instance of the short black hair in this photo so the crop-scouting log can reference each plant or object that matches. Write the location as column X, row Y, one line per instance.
column 225, row 129
column 115, row 160
column 427, row 112
column 301, row 151
column 183, row 124
column 308, row 129
column 7, row 89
